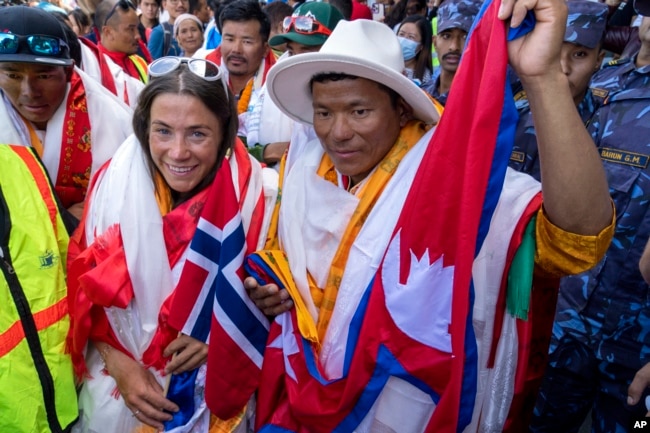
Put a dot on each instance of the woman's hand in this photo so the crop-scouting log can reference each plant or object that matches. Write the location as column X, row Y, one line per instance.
column 189, row 353
column 269, row 298
column 140, row 390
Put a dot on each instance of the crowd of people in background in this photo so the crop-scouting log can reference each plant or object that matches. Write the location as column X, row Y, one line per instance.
column 314, row 216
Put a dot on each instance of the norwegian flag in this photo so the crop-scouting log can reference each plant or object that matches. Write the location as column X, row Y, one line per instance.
column 212, row 272
column 238, row 328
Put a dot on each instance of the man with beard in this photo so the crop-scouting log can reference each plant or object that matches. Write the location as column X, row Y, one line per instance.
column 245, row 53
column 118, row 26
column 455, row 18
column 268, row 130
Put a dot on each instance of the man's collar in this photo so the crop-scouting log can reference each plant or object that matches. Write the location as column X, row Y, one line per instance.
column 117, row 56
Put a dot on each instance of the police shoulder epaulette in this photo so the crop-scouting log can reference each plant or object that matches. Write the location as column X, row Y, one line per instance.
column 617, row 62
column 520, row 95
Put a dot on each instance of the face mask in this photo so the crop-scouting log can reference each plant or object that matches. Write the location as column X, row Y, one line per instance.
column 409, row 47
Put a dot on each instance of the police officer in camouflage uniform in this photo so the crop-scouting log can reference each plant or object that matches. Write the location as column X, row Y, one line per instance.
column 601, row 334
column 581, row 57
column 455, row 18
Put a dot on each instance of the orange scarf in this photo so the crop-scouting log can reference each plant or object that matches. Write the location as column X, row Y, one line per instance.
column 245, row 97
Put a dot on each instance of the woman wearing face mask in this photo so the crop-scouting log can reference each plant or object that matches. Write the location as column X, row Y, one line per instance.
column 415, row 37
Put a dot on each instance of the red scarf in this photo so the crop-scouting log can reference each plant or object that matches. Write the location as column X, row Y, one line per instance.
column 98, row 277
column 76, row 156
column 122, row 60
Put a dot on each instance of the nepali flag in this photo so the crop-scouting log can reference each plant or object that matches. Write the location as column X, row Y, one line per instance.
column 214, row 259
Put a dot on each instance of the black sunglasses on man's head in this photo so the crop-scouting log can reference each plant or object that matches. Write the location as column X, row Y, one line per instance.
column 123, row 4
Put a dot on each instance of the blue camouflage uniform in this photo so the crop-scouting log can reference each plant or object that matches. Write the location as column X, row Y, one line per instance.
column 601, row 334
column 452, row 14
column 525, row 157
column 586, row 23
column 432, row 86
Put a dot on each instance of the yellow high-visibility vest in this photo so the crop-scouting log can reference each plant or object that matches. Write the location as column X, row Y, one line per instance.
column 37, row 390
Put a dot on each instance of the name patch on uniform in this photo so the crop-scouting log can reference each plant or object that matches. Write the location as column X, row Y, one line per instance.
column 623, row 157
column 600, row 93
column 517, row 156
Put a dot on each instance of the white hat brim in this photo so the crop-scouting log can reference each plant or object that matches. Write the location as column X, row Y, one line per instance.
column 288, row 84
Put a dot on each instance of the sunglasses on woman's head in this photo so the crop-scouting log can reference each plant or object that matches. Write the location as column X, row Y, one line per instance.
column 203, row 68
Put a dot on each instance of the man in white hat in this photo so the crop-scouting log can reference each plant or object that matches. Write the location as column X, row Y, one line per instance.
column 372, row 344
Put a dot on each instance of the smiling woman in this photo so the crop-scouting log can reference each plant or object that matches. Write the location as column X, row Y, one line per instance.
column 188, row 31
column 144, row 210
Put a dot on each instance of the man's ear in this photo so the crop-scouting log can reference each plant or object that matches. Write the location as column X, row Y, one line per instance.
column 405, row 112
column 105, row 32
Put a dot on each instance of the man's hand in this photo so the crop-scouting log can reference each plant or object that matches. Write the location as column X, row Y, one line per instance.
column 77, row 210
column 574, row 186
column 269, row 298
column 537, row 53
column 190, row 354
column 140, row 390
column 638, row 386
column 273, row 152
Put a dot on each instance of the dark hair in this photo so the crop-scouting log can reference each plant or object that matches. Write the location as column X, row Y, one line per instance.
column 219, row 6
column 74, row 46
column 182, row 81
column 194, row 5
column 103, row 9
column 81, row 17
column 246, row 10
column 423, row 58
column 277, row 11
column 213, row 5
column 396, row 14
column 338, row 76
column 421, row 6
column 344, row 6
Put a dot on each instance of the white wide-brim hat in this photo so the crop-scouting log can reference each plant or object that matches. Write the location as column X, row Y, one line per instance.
column 361, row 48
